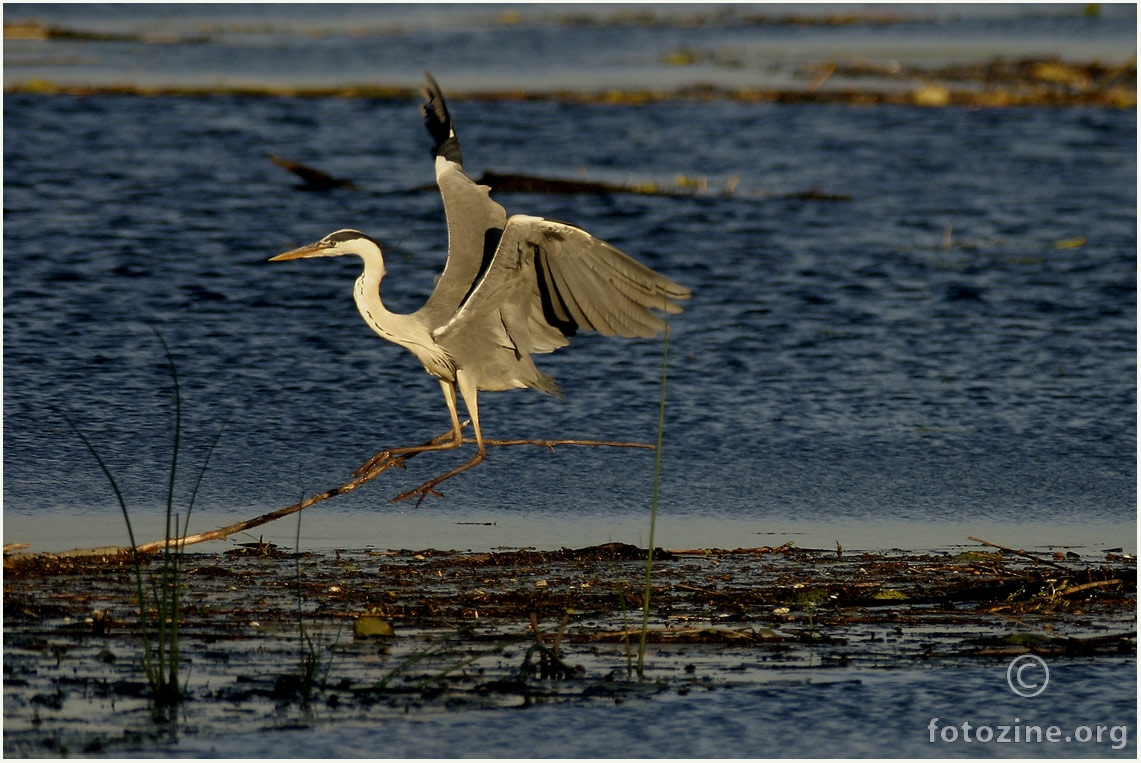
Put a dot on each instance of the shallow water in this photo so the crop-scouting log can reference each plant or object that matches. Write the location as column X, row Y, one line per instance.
column 850, row 713
column 954, row 343
column 837, row 362
column 950, row 352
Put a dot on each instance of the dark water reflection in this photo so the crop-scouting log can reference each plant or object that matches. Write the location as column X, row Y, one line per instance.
column 837, row 360
column 833, row 713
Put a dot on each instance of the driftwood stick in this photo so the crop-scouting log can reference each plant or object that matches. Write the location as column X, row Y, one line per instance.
column 395, row 460
column 1016, row 551
column 224, row 532
column 1087, row 586
column 380, row 466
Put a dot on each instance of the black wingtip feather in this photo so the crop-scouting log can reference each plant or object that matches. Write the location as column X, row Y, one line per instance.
column 439, row 123
column 555, row 311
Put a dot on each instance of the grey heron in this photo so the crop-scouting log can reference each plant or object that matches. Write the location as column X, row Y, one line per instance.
column 511, row 288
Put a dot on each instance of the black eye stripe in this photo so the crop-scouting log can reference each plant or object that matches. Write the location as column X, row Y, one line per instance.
column 342, row 236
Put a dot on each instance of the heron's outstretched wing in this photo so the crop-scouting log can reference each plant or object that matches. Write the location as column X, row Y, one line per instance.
column 549, row 279
column 474, row 220
column 585, row 283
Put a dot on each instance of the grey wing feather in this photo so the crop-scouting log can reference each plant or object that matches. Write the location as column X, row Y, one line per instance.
column 469, row 210
column 599, row 287
column 549, row 279
column 470, row 214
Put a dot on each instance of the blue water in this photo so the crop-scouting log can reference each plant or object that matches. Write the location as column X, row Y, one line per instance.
column 950, row 351
column 953, row 348
column 837, row 361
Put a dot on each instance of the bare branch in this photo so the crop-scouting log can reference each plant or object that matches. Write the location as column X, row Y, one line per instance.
column 378, row 466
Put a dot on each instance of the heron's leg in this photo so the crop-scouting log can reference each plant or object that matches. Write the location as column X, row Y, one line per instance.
column 470, row 393
column 449, row 389
column 453, row 439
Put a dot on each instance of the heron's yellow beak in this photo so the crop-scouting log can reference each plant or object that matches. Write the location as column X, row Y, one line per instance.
column 309, row 250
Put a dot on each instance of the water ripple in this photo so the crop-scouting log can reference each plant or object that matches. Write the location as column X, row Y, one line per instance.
column 934, row 345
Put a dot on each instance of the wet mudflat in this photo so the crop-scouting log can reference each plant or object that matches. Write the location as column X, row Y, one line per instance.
column 272, row 642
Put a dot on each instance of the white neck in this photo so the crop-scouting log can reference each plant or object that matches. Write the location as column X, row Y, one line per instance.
column 405, row 330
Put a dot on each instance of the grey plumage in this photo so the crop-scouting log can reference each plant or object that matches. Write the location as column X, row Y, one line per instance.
column 511, row 287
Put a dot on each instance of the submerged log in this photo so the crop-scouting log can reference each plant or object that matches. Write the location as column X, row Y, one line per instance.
column 312, row 179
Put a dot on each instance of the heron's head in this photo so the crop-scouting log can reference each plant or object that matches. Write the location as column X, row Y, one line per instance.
column 340, row 242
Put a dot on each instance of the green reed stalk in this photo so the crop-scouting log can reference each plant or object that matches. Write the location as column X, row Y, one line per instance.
column 160, row 661
column 309, row 661
column 140, row 596
column 169, row 581
column 654, row 503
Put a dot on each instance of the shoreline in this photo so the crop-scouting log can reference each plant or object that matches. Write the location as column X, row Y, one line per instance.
column 1028, row 83
column 448, row 527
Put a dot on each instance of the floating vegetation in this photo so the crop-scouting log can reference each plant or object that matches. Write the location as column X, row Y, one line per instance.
column 998, row 83
column 516, row 628
column 1001, row 82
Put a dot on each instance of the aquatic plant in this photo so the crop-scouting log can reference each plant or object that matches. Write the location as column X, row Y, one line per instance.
column 309, row 653
column 654, row 502
column 620, row 589
column 810, row 602
column 551, row 664
column 463, row 658
column 161, row 657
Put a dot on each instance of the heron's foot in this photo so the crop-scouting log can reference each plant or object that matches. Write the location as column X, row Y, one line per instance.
column 429, row 487
column 378, row 463
column 425, row 490
column 390, row 457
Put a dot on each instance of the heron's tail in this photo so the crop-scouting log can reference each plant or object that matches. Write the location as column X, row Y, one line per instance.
column 547, row 383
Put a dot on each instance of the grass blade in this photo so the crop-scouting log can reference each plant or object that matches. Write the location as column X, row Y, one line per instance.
column 140, row 595
column 654, row 502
